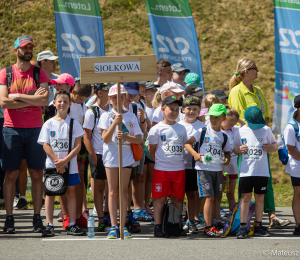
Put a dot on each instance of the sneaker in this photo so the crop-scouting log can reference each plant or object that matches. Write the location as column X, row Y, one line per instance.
column 141, row 215
column 149, row 211
column 158, row 232
column 297, row 230
column 223, row 213
column 66, row 222
column 126, row 233
column 130, row 227
column 48, row 231
column 94, row 211
column 192, row 228
column 9, row 226
column 60, row 216
column 133, row 220
column 108, row 220
column 201, row 217
column 113, row 233
column 75, row 231
column 212, row 233
column 242, row 232
column 261, row 231
column 37, row 225
column 102, row 226
column 21, row 204
column 219, row 226
column 15, row 201
column 186, row 226
column 200, row 225
column 81, row 222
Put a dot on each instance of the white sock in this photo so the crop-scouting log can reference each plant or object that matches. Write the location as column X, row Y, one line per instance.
column 137, row 209
column 23, row 197
column 51, row 225
column 71, row 224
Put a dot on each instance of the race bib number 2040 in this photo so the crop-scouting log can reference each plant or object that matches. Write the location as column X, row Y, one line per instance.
column 173, row 149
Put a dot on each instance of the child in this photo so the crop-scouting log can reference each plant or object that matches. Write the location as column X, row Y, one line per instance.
column 179, row 72
column 94, row 145
column 196, row 91
column 221, row 95
column 191, row 108
column 254, row 140
column 166, row 141
column 210, row 175
column 130, row 133
column 53, row 136
column 164, row 72
column 209, row 100
column 148, row 97
column 293, row 146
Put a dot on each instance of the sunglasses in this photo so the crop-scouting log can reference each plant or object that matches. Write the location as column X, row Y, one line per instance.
column 254, row 68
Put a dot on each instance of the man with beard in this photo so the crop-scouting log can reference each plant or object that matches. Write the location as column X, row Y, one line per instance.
column 22, row 99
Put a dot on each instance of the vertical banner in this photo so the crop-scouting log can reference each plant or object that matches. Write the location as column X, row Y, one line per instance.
column 287, row 61
column 79, row 33
column 173, row 34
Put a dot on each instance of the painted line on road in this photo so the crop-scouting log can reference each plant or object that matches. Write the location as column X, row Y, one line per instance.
column 276, row 238
column 89, row 239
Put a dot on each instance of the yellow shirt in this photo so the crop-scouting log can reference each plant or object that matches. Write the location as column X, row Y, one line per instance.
column 240, row 98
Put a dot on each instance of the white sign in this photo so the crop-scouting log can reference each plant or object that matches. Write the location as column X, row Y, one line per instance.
column 107, row 67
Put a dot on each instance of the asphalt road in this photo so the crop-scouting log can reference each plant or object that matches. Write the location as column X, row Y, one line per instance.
column 27, row 245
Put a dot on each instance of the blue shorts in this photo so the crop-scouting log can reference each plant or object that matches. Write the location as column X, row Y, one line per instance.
column 74, row 179
column 21, row 143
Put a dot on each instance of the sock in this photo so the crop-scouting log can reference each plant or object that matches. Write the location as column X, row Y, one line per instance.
column 102, row 219
column 158, row 225
column 242, row 224
column 23, row 197
column 51, row 225
column 218, row 221
column 9, row 216
column 71, row 224
column 208, row 227
column 106, row 213
column 257, row 223
column 192, row 221
column 36, row 216
column 137, row 209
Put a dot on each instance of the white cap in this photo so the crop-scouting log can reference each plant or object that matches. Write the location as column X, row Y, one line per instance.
column 173, row 87
column 46, row 55
column 114, row 90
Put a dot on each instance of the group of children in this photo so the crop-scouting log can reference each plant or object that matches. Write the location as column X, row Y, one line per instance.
column 191, row 143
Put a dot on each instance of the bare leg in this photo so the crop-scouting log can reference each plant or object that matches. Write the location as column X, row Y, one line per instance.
column 230, row 194
column 191, row 204
column 98, row 191
column 158, row 209
column 148, row 184
column 296, row 204
column 217, row 208
column 71, row 203
column 208, row 210
column 63, row 204
column 23, row 178
column 36, row 189
column 177, row 202
column 246, row 199
column 259, row 207
column 9, row 190
column 49, row 208
column 79, row 194
column 106, row 209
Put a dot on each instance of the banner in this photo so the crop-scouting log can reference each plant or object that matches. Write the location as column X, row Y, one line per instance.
column 287, row 61
column 79, row 33
column 173, row 34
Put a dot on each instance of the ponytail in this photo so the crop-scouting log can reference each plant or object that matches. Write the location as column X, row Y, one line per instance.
column 156, row 102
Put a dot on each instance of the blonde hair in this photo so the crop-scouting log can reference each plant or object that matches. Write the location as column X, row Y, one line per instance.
column 241, row 66
column 232, row 112
column 211, row 99
column 156, row 102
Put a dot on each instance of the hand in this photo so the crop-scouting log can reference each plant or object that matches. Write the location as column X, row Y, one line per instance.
column 14, row 96
column 95, row 159
column 140, row 113
column 226, row 162
column 118, row 119
column 61, row 170
column 40, row 91
column 121, row 135
column 268, row 147
column 60, row 163
column 197, row 157
column 243, row 148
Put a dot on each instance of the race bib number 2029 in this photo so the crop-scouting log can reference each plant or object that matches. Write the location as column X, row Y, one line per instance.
column 173, row 149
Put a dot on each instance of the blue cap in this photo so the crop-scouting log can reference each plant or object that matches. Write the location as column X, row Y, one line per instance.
column 254, row 118
column 91, row 215
column 132, row 87
column 23, row 40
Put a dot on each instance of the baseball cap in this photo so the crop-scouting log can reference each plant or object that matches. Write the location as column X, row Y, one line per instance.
column 101, row 86
column 171, row 99
column 194, row 90
column 46, row 55
column 142, row 82
column 217, row 110
column 178, row 67
column 192, row 78
column 191, row 101
column 114, row 90
column 132, row 87
column 173, row 87
column 254, row 118
column 23, row 40
column 296, row 105
column 150, row 85
column 219, row 93
column 64, row 78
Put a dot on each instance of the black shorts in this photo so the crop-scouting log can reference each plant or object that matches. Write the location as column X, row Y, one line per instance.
column 191, row 180
column 246, row 184
column 295, row 181
column 98, row 172
column 147, row 160
column 133, row 172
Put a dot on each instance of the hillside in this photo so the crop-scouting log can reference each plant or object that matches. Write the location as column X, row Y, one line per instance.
column 227, row 31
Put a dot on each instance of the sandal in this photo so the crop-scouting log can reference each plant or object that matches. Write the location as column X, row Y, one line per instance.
column 276, row 223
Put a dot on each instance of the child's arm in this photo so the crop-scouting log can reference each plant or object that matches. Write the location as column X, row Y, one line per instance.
column 48, row 150
column 241, row 122
column 227, row 158
column 149, row 125
column 143, row 126
column 131, row 139
column 107, row 134
column 240, row 149
column 188, row 146
column 270, row 147
column 292, row 151
column 152, row 149
column 88, row 144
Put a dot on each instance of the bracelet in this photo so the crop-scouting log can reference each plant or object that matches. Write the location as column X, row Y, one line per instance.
column 143, row 121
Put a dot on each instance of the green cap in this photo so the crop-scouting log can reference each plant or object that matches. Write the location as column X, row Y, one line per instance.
column 191, row 101
column 192, row 78
column 217, row 110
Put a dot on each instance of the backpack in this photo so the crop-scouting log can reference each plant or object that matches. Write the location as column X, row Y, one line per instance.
column 171, row 220
column 134, row 109
column 197, row 145
column 97, row 114
column 36, row 76
column 283, row 153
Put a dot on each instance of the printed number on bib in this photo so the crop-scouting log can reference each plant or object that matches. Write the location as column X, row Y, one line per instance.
column 173, row 149
column 60, row 145
column 214, row 150
column 253, row 153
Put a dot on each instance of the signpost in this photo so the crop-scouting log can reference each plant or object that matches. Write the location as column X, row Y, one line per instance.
column 118, row 69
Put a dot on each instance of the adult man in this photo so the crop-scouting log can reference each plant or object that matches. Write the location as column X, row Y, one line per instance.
column 22, row 99
column 47, row 61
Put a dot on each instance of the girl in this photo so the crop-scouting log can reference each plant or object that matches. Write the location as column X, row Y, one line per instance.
column 130, row 133
column 55, row 135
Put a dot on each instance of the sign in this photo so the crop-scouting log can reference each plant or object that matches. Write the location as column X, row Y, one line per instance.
column 109, row 67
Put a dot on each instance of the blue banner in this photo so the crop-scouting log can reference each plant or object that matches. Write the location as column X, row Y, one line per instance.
column 287, row 61
column 79, row 33
column 173, row 34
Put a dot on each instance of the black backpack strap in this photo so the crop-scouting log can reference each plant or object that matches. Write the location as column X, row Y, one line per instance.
column 96, row 111
column 134, row 108
column 199, row 144
column 202, row 136
column 70, row 140
column 225, row 141
column 36, row 76
column 9, row 76
column 142, row 104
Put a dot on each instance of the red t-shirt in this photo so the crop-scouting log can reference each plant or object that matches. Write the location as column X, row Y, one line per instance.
column 23, row 83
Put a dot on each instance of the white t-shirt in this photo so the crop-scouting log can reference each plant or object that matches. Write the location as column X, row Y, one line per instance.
column 56, row 134
column 149, row 112
column 255, row 160
column 158, row 115
column 91, row 101
column 232, row 167
column 170, row 140
column 293, row 165
column 110, row 150
column 212, row 146
column 191, row 130
column 89, row 123
column 77, row 111
column 52, row 88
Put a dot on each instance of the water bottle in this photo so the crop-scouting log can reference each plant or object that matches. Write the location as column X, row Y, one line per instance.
column 28, row 187
column 206, row 159
column 91, row 227
column 280, row 142
column 225, row 186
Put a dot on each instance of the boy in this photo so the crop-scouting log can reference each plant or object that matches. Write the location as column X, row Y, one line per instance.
column 191, row 108
column 179, row 72
column 221, row 95
column 166, row 141
column 164, row 72
column 210, row 175
column 292, row 140
column 196, row 91
column 254, row 140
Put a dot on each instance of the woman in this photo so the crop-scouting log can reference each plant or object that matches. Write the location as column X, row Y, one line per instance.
column 244, row 94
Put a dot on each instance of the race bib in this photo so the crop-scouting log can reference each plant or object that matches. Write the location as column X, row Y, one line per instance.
column 253, row 153
column 60, row 145
column 173, row 149
column 214, row 150
column 233, row 155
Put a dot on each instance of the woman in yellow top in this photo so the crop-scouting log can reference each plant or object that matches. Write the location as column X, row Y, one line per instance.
column 244, row 94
